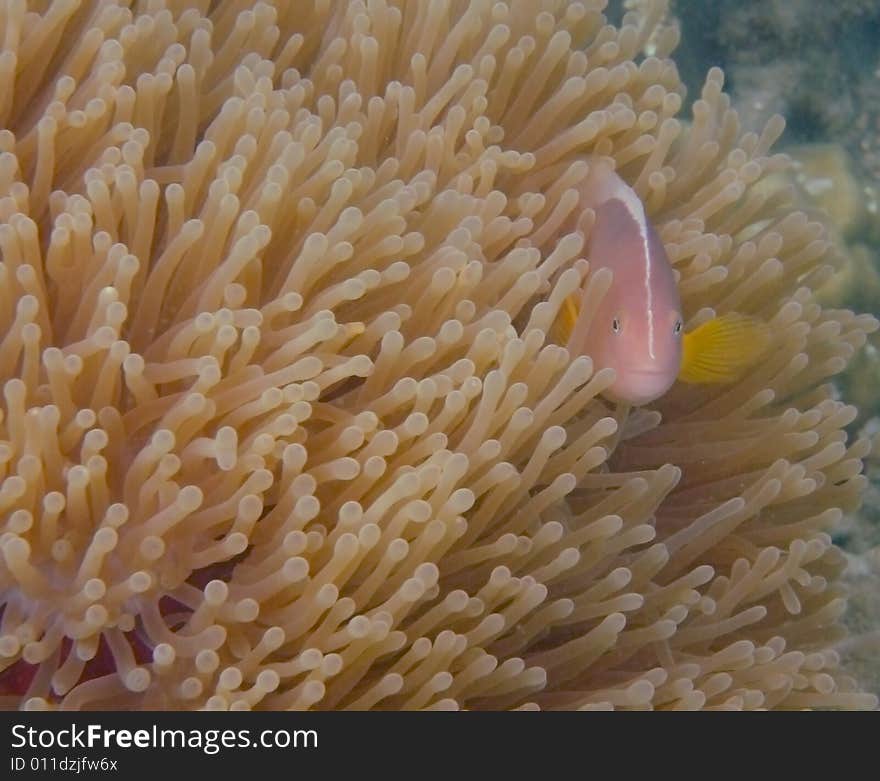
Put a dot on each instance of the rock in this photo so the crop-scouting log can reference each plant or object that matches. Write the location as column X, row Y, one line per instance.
column 825, row 178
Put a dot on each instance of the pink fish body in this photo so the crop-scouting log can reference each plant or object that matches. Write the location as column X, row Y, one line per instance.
column 637, row 328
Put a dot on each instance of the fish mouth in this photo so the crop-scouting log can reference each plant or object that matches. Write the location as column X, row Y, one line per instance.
column 644, row 372
column 647, row 374
column 641, row 386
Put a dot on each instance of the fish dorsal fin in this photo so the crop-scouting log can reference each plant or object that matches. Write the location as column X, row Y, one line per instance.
column 722, row 348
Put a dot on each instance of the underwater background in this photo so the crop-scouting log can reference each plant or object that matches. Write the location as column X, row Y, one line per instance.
column 818, row 65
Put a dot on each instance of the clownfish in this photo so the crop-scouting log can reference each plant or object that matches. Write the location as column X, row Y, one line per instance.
column 638, row 328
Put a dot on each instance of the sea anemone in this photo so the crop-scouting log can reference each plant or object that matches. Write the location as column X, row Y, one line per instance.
column 283, row 423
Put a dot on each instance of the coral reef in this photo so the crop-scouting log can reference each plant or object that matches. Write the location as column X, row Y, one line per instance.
column 818, row 64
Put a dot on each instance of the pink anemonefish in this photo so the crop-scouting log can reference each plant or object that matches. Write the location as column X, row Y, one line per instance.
column 638, row 328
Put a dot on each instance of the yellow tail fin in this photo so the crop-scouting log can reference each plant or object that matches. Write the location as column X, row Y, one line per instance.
column 721, row 349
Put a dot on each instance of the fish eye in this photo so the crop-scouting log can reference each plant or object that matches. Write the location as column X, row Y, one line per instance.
column 615, row 325
column 676, row 329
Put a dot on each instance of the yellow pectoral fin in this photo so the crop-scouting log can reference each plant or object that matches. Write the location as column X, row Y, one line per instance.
column 721, row 349
column 565, row 320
